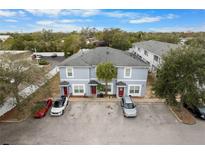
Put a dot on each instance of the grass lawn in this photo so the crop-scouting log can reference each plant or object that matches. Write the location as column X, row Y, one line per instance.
column 50, row 89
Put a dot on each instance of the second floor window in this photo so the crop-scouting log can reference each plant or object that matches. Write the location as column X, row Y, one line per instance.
column 69, row 72
column 127, row 72
column 156, row 58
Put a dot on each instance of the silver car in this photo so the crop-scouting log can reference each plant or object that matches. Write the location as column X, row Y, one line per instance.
column 128, row 107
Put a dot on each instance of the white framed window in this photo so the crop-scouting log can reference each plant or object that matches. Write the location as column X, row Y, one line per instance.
column 134, row 90
column 69, row 72
column 78, row 89
column 127, row 72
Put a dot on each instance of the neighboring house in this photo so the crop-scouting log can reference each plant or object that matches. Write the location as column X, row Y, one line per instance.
column 183, row 40
column 152, row 51
column 4, row 37
column 15, row 51
column 78, row 73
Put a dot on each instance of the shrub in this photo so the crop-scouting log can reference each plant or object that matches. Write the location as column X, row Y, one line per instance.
column 43, row 62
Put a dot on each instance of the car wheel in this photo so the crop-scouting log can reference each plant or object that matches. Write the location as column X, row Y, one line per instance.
column 63, row 112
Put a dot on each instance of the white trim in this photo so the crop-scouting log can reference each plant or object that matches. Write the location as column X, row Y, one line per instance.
column 125, row 72
column 75, row 79
column 93, row 84
column 67, row 72
column 121, row 86
column 133, row 66
column 131, row 80
column 93, row 78
column 139, row 94
column 73, row 90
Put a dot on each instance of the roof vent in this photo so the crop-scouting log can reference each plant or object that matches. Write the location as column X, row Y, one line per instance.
column 107, row 52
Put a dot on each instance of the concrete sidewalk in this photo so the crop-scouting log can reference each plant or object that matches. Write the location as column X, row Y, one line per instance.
column 137, row 100
column 11, row 102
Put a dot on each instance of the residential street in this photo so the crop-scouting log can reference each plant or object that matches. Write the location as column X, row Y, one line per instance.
column 103, row 123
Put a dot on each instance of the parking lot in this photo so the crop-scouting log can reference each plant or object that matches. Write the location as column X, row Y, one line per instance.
column 103, row 123
column 54, row 61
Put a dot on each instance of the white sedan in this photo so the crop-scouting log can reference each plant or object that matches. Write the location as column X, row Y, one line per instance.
column 59, row 106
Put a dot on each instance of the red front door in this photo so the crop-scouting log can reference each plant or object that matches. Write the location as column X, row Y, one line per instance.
column 120, row 91
column 65, row 89
column 93, row 90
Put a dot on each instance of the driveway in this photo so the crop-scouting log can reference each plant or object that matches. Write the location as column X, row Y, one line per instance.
column 103, row 123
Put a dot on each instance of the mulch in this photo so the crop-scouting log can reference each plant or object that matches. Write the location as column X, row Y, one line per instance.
column 184, row 116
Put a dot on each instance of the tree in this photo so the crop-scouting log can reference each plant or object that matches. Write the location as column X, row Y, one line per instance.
column 196, row 42
column 182, row 74
column 106, row 72
column 120, row 40
column 15, row 71
column 72, row 44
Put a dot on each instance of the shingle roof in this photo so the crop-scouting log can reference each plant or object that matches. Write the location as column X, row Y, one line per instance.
column 102, row 54
column 93, row 82
column 120, row 83
column 64, row 83
column 157, row 47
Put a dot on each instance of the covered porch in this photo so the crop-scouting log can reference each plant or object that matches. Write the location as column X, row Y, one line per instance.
column 65, row 88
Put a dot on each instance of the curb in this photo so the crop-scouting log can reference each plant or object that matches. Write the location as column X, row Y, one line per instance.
column 113, row 101
column 15, row 121
column 175, row 115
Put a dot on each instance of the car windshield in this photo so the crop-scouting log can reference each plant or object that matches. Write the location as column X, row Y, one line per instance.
column 202, row 109
column 58, row 103
column 129, row 105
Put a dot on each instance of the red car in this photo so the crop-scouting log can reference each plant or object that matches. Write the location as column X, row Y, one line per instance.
column 41, row 112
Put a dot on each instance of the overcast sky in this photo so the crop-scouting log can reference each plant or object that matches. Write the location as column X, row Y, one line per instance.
column 129, row 20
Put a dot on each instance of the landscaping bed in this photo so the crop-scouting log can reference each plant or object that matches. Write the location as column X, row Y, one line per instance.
column 150, row 81
column 183, row 115
column 50, row 89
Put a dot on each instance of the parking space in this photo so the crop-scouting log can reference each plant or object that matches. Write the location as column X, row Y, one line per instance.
column 104, row 123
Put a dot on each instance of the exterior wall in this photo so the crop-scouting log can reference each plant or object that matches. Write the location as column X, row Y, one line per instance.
column 138, row 76
column 149, row 58
column 78, row 73
column 93, row 72
column 82, row 75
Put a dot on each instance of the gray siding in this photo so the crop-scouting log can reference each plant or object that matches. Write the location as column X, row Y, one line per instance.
column 92, row 72
column 78, row 72
column 137, row 74
column 84, row 74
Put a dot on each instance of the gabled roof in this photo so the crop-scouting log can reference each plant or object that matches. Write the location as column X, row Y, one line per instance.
column 157, row 47
column 64, row 83
column 120, row 83
column 93, row 82
column 92, row 57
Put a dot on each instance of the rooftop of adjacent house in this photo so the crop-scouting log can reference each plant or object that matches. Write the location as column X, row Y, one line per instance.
column 90, row 57
column 4, row 36
column 157, row 47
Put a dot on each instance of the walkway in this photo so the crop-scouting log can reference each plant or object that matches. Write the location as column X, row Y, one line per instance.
column 137, row 100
